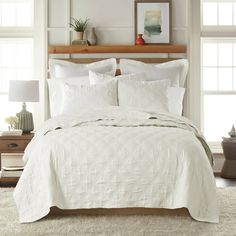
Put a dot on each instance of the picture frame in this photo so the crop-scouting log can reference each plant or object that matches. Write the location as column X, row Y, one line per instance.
column 153, row 20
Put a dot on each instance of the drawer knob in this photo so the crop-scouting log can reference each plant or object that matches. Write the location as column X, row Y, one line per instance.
column 12, row 145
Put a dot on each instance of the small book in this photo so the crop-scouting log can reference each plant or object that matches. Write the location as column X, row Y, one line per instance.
column 16, row 132
column 9, row 174
column 13, row 168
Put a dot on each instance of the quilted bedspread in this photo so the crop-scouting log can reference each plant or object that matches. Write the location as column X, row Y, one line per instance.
column 115, row 158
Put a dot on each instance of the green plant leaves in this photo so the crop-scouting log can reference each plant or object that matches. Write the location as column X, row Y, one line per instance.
column 79, row 25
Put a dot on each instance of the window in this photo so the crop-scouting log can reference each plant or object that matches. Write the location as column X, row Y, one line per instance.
column 218, row 13
column 16, row 13
column 218, row 68
column 16, row 49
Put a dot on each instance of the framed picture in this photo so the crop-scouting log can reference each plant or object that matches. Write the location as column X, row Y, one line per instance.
column 153, row 20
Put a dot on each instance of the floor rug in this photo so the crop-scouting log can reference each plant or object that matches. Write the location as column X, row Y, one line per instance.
column 126, row 225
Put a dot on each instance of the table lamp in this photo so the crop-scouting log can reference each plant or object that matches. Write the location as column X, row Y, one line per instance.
column 24, row 91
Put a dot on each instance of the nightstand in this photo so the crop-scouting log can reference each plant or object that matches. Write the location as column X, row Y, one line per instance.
column 13, row 144
column 229, row 168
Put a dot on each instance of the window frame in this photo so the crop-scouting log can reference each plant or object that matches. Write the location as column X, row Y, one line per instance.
column 19, row 32
column 211, row 33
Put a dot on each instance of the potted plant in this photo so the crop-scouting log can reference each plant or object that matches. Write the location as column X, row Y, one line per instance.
column 79, row 26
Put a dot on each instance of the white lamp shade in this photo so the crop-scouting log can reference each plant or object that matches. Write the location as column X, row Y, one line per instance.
column 23, row 91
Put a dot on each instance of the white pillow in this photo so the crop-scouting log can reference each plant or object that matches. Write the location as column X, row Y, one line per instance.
column 175, row 100
column 175, row 95
column 55, row 89
column 181, row 64
column 78, row 97
column 142, row 94
column 97, row 78
column 64, row 69
column 175, row 71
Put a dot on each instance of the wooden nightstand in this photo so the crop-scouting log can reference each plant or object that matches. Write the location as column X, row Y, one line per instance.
column 13, row 144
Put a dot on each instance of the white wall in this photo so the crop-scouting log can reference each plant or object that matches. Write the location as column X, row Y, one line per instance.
column 114, row 20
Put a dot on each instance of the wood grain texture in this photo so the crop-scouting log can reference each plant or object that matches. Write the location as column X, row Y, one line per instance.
column 91, row 60
column 78, row 49
column 14, row 144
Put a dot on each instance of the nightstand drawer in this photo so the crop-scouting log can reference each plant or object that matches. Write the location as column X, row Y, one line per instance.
column 9, row 146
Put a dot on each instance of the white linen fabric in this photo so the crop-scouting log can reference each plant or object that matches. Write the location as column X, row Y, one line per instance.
column 181, row 64
column 64, row 69
column 98, row 78
column 77, row 97
column 55, row 91
column 175, row 71
column 116, row 158
column 175, row 95
column 175, row 100
column 142, row 94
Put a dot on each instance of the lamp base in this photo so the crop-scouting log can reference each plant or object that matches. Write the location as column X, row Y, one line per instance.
column 25, row 120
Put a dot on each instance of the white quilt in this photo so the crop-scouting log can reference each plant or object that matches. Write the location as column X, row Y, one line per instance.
column 113, row 158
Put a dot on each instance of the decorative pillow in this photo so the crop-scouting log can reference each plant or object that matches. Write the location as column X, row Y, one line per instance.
column 77, row 97
column 55, row 89
column 142, row 94
column 64, row 69
column 175, row 71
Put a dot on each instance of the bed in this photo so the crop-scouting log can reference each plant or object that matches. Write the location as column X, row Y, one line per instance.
column 117, row 154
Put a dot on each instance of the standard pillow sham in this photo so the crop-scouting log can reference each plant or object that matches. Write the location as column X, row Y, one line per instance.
column 78, row 97
column 142, row 94
column 55, row 90
column 174, row 71
column 64, row 69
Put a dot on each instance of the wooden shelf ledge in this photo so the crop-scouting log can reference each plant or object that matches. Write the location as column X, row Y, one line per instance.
column 78, row 49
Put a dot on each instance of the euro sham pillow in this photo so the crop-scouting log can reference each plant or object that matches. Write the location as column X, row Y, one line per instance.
column 142, row 94
column 64, row 69
column 175, row 71
column 79, row 97
column 181, row 64
column 55, row 91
